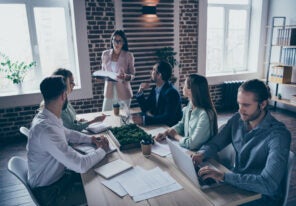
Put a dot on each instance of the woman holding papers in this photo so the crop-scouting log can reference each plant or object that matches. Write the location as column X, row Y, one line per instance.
column 199, row 121
column 68, row 113
column 120, row 61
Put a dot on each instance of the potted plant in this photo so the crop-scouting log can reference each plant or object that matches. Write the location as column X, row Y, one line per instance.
column 167, row 54
column 15, row 70
column 146, row 144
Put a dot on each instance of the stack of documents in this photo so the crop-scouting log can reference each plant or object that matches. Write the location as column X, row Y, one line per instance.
column 141, row 184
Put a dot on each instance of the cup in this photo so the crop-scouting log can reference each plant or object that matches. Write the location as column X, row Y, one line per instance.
column 116, row 109
column 146, row 150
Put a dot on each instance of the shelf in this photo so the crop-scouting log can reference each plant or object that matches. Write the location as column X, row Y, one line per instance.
column 283, row 101
column 289, row 85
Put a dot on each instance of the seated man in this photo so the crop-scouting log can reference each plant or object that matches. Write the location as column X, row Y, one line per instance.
column 261, row 144
column 49, row 153
column 163, row 105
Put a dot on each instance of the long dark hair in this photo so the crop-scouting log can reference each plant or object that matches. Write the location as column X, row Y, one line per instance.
column 201, row 98
column 122, row 35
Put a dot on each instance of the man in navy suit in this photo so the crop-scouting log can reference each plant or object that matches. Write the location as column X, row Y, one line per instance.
column 163, row 105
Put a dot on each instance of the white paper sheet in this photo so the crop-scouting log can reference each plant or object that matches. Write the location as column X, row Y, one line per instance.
column 113, row 184
column 161, row 191
column 156, row 131
column 146, row 182
column 161, row 148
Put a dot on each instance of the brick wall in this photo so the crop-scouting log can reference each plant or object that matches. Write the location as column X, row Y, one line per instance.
column 100, row 24
column 188, row 38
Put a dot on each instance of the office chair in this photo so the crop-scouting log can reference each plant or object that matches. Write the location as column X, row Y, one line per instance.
column 19, row 168
column 291, row 163
column 24, row 131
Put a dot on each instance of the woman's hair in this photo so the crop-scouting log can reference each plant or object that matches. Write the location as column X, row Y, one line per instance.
column 63, row 72
column 122, row 35
column 201, row 98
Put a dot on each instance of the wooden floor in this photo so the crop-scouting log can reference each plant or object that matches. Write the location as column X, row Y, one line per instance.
column 13, row 193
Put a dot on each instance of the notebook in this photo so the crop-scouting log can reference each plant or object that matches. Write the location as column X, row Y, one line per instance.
column 89, row 147
column 185, row 164
column 113, row 168
column 97, row 127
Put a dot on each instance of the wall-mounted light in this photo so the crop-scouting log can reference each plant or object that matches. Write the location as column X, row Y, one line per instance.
column 149, row 10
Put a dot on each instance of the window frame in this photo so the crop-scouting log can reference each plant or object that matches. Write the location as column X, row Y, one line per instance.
column 256, row 60
column 77, row 14
column 227, row 9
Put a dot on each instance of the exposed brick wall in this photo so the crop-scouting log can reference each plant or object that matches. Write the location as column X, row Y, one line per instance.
column 188, row 38
column 100, row 24
column 100, row 15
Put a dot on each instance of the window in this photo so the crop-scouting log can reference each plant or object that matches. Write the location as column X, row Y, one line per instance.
column 228, row 26
column 40, row 31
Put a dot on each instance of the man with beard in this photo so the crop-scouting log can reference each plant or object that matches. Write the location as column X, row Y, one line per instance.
column 49, row 153
column 163, row 105
column 261, row 144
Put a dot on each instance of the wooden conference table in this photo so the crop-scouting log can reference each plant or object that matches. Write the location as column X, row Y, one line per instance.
column 97, row 194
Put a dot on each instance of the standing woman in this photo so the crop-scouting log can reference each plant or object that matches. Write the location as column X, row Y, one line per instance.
column 119, row 60
column 199, row 121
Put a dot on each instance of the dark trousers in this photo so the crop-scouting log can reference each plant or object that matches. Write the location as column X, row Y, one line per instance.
column 66, row 191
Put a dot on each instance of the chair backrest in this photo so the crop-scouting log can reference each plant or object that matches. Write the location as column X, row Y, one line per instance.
column 19, row 167
column 24, row 131
column 291, row 163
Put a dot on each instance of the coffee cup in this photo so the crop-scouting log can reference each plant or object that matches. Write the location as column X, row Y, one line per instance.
column 146, row 149
column 116, row 109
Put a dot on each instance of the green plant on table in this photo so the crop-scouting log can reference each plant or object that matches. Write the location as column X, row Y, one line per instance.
column 15, row 70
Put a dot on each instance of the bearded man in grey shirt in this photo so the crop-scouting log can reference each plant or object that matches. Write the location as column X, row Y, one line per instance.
column 261, row 144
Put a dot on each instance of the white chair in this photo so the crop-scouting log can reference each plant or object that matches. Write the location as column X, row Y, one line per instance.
column 24, row 131
column 291, row 163
column 19, row 167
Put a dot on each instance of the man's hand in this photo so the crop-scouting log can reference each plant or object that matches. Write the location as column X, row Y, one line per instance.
column 143, row 86
column 209, row 172
column 137, row 119
column 101, row 142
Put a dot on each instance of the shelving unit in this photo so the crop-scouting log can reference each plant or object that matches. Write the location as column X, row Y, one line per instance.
column 281, row 39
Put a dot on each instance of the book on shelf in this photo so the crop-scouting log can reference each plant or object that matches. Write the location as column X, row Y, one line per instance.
column 286, row 37
column 281, row 74
column 288, row 56
column 293, row 99
column 107, row 75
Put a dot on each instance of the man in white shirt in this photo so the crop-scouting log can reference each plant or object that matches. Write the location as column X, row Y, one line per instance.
column 49, row 153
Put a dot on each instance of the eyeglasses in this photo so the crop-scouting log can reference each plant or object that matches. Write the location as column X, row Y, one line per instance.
column 117, row 41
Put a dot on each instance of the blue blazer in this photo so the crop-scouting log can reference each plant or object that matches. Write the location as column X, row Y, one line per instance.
column 168, row 110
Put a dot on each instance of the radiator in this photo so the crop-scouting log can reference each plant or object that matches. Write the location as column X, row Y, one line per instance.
column 229, row 94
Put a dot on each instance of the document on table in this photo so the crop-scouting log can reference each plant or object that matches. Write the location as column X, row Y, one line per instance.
column 162, row 148
column 156, row 131
column 142, row 184
column 114, row 185
column 161, row 191
column 146, row 182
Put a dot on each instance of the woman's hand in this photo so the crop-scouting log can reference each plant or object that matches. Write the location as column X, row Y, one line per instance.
column 124, row 76
column 160, row 137
column 197, row 158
